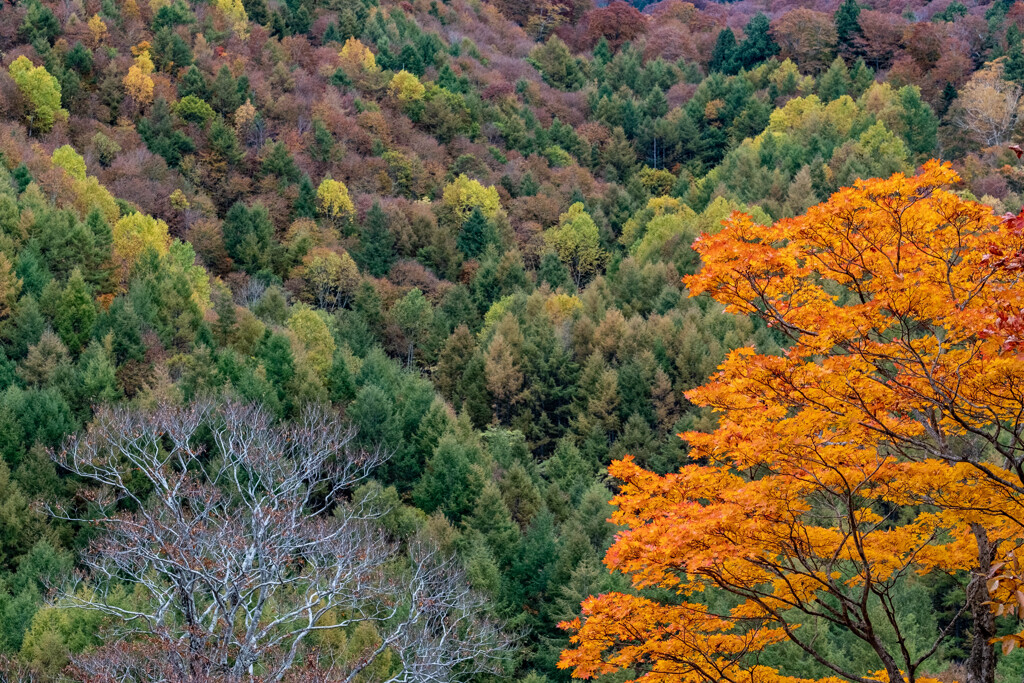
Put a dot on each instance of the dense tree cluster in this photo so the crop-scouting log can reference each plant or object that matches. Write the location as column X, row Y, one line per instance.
column 459, row 228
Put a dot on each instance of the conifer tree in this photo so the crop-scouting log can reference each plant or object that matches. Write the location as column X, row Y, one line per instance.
column 1013, row 69
column 758, row 46
column 376, row 243
column 847, row 20
column 475, row 234
column 305, row 202
column 449, row 483
column 491, row 517
column 835, row 82
column 723, row 56
column 76, row 313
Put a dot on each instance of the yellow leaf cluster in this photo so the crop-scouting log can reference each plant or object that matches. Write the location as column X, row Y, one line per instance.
column 355, row 54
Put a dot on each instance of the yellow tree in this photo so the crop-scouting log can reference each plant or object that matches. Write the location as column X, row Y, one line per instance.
column 41, row 90
column 333, row 202
column 71, row 161
column 464, row 194
column 898, row 388
column 405, row 87
column 234, row 11
column 133, row 235
column 356, row 56
column 98, row 30
column 137, row 82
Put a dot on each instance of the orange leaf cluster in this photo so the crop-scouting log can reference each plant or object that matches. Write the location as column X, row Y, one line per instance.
column 887, row 440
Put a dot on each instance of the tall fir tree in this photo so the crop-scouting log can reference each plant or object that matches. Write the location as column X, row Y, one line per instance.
column 723, row 56
column 376, row 243
column 475, row 235
column 847, row 20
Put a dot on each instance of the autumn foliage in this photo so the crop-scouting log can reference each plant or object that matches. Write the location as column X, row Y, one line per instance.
column 884, row 443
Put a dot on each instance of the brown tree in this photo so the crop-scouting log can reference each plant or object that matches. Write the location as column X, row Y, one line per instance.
column 807, row 37
column 619, row 22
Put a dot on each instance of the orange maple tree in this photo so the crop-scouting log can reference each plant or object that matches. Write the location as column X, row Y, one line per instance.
column 887, row 439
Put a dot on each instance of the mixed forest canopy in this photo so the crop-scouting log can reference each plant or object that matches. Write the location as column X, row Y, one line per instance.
column 351, row 340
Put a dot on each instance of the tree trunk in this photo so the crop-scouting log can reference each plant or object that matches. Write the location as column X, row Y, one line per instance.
column 981, row 664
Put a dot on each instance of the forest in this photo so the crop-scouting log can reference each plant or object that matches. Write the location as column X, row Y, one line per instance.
column 376, row 341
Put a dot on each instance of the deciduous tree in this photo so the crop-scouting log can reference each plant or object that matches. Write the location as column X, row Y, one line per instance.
column 235, row 560
column 898, row 388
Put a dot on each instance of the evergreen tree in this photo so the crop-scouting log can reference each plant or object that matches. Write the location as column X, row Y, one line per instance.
column 847, row 20
column 475, row 235
column 492, row 519
column 224, row 96
column 96, row 377
column 758, row 46
column 157, row 130
column 861, row 78
column 224, row 142
column 125, row 329
column 920, row 125
column 723, row 56
column 340, row 384
column 835, row 82
column 305, row 202
column 98, row 262
column 76, row 313
column 528, row 577
column 278, row 361
column 376, row 243
column 193, row 83
column 227, row 318
column 449, row 483
column 1013, row 68
column 476, row 399
column 279, row 162
column 26, row 328
column 323, row 143
column 248, row 234
column 256, row 10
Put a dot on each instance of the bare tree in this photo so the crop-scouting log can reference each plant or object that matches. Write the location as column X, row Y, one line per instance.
column 243, row 549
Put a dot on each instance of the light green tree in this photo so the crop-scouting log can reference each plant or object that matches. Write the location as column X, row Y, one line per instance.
column 576, row 241
column 41, row 90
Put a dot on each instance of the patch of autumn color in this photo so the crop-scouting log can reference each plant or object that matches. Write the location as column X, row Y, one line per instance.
column 138, row 81
column 133, row 235
column 234, row 11
column 97, row 30
column 355, row 54
column 886, row 441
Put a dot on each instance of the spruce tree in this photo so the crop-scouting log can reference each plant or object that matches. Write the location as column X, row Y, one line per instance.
column 305, row 202
column 723, row 56
column 1013, row 68
column 376, row 243
column 835, row 82
column 847, row 20
column 76, row 313
column 475, row 234
column 759, row 45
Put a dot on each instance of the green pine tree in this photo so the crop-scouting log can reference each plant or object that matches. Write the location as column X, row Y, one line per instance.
column 847, row 21
column 76, row 313
column 723, row 56
column 449, row 483
column 376, row 243
column 305, row 202
column 475, row 235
